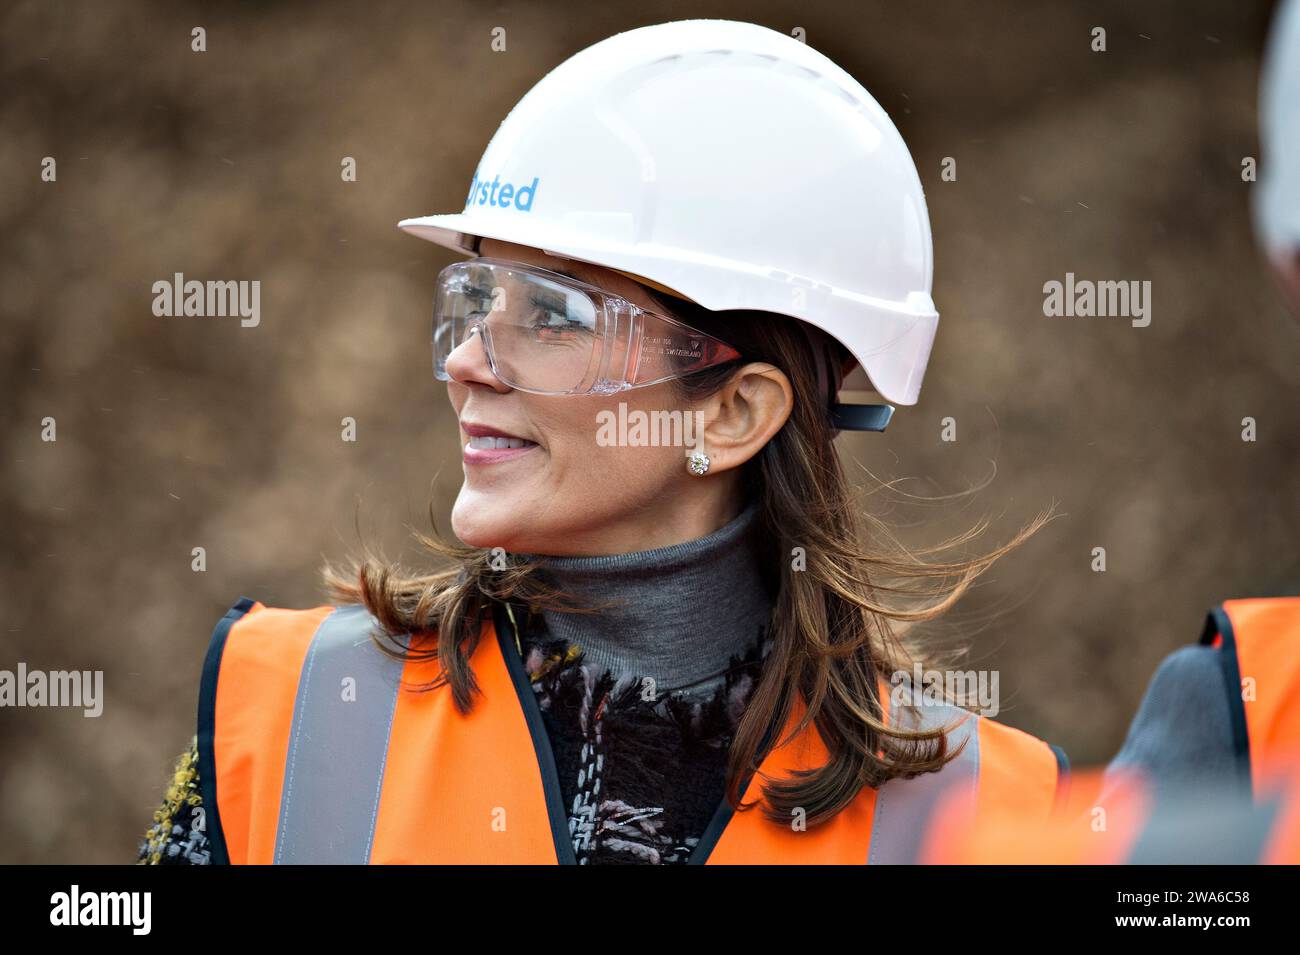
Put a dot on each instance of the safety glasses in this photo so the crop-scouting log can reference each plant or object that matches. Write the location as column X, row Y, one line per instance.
column 550, row 334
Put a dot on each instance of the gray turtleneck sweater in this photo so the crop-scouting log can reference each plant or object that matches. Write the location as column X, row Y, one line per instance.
column 681, row 612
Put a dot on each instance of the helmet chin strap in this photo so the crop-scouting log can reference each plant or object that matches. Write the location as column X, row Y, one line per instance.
column 860, row 417
column 844, row 417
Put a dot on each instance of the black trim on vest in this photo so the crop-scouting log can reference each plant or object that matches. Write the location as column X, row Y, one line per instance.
column 207, row 729
column 1218, row 623
column 541, row 742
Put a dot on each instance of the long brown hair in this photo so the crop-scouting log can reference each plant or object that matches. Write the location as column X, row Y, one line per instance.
column 839, row 623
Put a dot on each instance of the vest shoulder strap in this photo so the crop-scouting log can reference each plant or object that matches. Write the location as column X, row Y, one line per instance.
column 1258, row 640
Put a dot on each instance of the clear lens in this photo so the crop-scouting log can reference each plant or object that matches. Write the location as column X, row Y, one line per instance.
column 540, row 335
column 561, row 337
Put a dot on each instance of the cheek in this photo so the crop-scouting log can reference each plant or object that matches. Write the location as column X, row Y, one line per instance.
column 587, row 478
column 583, row 446
column 618, row 470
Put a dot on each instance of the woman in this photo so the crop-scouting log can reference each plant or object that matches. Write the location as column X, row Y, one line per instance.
column 682, row 239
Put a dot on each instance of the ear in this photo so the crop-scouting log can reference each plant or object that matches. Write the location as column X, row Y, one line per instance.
column 745, row 413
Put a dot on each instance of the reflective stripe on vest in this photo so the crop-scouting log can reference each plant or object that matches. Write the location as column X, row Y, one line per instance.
column 342, row 719
column 311, row 751
column 1259, row 640
column 905, row 807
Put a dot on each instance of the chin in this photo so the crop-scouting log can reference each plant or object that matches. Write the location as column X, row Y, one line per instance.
column 485, row 520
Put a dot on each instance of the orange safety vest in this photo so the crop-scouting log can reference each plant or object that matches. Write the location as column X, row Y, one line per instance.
column 315, row 747
column 1117, row 817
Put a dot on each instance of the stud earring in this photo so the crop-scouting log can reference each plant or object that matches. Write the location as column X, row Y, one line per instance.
column 698, row 463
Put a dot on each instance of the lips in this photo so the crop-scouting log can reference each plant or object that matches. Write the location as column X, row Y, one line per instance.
column 489, row 445
column 486, row 437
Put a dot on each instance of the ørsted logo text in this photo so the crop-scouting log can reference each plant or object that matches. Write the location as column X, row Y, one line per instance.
column 505, row 195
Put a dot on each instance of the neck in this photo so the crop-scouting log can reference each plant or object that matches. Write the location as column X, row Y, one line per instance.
column 676, row 614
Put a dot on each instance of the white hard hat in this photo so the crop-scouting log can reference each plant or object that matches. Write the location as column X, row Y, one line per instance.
column 730, row 163
column 1277, row 195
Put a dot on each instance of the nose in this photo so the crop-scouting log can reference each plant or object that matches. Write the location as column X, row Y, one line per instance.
column 468, row 363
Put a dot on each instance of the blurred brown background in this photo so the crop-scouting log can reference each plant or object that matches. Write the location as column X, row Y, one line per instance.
column 184, row 432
